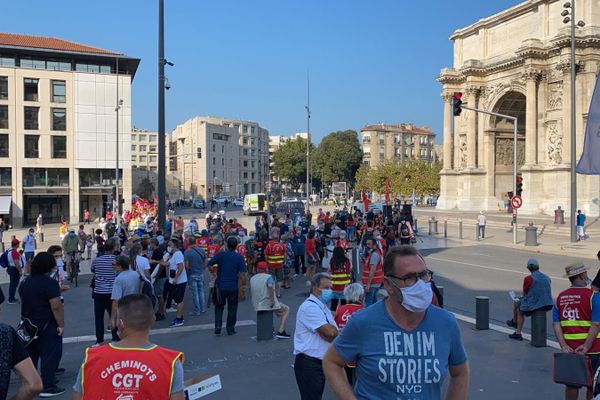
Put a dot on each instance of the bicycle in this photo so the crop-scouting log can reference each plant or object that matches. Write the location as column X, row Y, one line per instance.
column 75, row 269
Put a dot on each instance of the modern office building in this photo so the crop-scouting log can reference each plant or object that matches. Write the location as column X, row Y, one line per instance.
column 401, row 142
column 214, row 156
column 59, row 103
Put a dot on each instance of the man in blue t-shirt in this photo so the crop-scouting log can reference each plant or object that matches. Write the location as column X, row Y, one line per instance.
column 403, row 347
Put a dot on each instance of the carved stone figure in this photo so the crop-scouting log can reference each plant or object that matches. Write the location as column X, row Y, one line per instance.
column 554, row 144
column 504, row 151
column 462, row 152
column 555, row 95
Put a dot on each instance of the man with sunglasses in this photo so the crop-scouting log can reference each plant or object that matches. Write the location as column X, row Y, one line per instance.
column 409, row 347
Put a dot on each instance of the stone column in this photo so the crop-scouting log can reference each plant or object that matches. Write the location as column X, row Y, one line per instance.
column 472, row 99
column 448, row 139
column 531, row 77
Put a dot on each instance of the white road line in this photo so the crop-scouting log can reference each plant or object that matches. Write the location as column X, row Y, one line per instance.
column 161, row 331
column 501, row 329
column 490, row 268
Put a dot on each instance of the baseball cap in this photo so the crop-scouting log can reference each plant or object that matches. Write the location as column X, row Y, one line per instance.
column 14, row 242
column 533, row 263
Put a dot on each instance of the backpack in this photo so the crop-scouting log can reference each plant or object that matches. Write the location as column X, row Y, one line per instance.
column 404, row 229
column 4, row 259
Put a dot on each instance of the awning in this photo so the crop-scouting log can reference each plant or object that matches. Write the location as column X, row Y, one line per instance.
column 5, row 203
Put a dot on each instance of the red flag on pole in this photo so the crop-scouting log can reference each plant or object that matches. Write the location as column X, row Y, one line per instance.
column 388, row 187
column 365, row 200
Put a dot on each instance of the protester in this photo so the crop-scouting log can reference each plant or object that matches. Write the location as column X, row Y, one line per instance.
column 158, row 271
column 372, row 274
column 14, row 269
column 86, row 216
column 40, row 303
column 164, row 370
column 29, row 245
column 70, row 245
column 262, row 289
column 102, row 283
column 537, row 296
column 89, row 243
column 290, row 257
column 339, row 268
column 407, row 313
column 299, row 251
column 275, row 255
column 315, row 329
column 354, row 294
column 195, row 264
column 231, row 268
column 580, row 225
column 139, row 260
column 576, row 322
column 126, row 282
column 312, row 256
column 14, row 357
column 99, row 242
column 177, row 279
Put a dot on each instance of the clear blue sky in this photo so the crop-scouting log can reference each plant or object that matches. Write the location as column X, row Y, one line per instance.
column 369, row 61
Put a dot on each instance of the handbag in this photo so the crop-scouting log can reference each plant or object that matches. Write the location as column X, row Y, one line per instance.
column 27, row 331
column 571, row 369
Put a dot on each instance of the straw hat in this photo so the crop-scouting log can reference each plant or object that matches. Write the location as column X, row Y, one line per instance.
column 575, row 269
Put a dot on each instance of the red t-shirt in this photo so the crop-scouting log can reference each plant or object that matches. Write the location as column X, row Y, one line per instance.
column 527, row 282
column 310, row 246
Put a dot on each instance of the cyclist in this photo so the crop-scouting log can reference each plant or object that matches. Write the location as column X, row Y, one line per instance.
column 70, row 245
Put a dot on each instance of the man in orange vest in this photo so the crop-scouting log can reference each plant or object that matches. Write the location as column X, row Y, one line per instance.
column 576, row 317
column 372, row 275
column 132, row 368
column 275, row 257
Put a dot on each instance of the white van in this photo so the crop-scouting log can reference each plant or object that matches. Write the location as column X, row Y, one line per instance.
column 255, row 203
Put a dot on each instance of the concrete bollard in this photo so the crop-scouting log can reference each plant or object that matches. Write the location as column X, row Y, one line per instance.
column 477, row 231
column 445, row 228
column 42, row 237
column 433, row 226
column 482, row 313
column 538, row 329
column 264, row 325
column 460, row 235
column 531, row 235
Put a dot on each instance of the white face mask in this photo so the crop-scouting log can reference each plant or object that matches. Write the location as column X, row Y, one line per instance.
column 416, row 298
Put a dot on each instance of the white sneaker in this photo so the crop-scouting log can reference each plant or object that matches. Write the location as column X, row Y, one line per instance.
column 171, row 309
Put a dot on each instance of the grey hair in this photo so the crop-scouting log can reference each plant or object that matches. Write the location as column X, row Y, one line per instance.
column 353, row 292
column 316, row 279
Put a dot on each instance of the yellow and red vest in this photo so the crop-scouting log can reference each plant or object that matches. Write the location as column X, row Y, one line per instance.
column 378, row 276
column 111, row 372
column 575, row 313
column 275, row 255
column 340, row 276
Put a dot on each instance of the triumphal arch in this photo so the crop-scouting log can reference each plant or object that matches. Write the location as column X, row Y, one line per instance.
column 517, row 63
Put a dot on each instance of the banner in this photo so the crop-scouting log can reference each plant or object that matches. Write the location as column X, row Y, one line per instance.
column 388, row 187
column 365, row 200
column 589, row 163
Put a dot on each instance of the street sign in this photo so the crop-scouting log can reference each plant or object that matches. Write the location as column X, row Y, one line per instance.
column 338, row 187
column 516, row 201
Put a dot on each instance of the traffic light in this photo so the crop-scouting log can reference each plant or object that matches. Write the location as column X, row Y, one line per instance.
column 519, row 185
column 457, row 103
column 199, row 152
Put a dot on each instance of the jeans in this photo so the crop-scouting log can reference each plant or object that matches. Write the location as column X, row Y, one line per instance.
column 309, row 377
column 371, row 295
column 102, row 304
column 196, row 284
column 481, row 232
column 47, row 349
column 14, row 275
column 231, row 297
column 299, row 262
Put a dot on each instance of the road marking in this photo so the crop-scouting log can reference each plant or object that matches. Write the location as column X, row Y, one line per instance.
column 490, row 268
column 501, row 329
column 162, row 331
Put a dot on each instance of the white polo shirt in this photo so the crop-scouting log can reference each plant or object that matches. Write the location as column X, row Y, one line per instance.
column 312, row 315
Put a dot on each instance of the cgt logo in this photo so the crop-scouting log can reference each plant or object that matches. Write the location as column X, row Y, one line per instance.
column 570, row 314
column 126, row 380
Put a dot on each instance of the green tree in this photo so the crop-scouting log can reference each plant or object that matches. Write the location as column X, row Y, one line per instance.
column 338, row 157
column 289, row 161
column 363, row 178
column 416, row 176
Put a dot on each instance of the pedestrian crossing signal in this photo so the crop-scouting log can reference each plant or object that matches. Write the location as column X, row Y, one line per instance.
column 457, row 103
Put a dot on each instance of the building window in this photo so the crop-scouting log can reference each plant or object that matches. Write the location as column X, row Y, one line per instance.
column 56, row 65
column 7, row 61
column 245, row 152
column 3, row 87
column 142, row 147
column 3, row 117
column 30, row 89
column 153, row 148
column 214, row 148
column 4, row 145
column 252, row 164
column 142, row 158
column 133, row 158
column 244, row 141
column 31, row 118
column 59, row 92
column 214, row 160
column 32, row 146
column 222, row 148
column 142, row 138
column 153, row 138
column 252, row 130
column 6, row 176
column 253, row 175
column 59, row 147
column 152, row 158
column 220, row 136
column 31, row 63
column 133, row 137
column 133, row 147
column 245, row 175
column 222, row 161
column 245, row 163
column 59, row 119
column 244, row 129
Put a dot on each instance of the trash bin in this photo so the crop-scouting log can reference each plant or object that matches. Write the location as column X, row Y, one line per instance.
column 433, row 226
column 531, row 235
column 559, row 216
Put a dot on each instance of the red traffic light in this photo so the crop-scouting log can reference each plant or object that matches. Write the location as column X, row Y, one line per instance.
column 519, row 179
column 457, row 96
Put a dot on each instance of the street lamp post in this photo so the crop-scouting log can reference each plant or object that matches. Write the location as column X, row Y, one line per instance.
column 307, row 143
column 117, row 108
column 569, row 17
column 162, row 197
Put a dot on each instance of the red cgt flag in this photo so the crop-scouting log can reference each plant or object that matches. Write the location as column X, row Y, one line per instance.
column 388, row 188
column 365, row 200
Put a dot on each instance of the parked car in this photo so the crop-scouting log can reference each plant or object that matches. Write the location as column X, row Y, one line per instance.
column 238, row 203
column 293, row 208
column 199, row 203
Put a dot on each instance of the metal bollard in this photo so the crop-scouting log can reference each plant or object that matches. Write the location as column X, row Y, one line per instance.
column 531, row 235
column 482, row 313
column 415, row 228
column 264, row 325
column 538, row 329
column 433, row 226
column 445, row 228
column 42, row 237
column 477, row 231
column 460, row 235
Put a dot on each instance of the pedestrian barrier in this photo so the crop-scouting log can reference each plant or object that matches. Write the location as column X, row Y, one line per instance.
column 531, row 235
column 264, row 325
column 482, row 313
column 538, row 329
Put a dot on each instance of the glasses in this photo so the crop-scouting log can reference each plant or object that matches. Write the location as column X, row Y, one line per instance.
column 411, row 279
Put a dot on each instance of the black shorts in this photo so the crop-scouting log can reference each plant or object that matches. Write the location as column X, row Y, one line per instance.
column 177, row 292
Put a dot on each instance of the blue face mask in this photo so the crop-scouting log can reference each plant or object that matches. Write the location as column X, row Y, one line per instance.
column 326, row 295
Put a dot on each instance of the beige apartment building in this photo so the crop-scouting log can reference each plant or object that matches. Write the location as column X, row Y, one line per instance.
column 144, row 150
column 59, row 103
column 401, row 142
column 213, row 156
